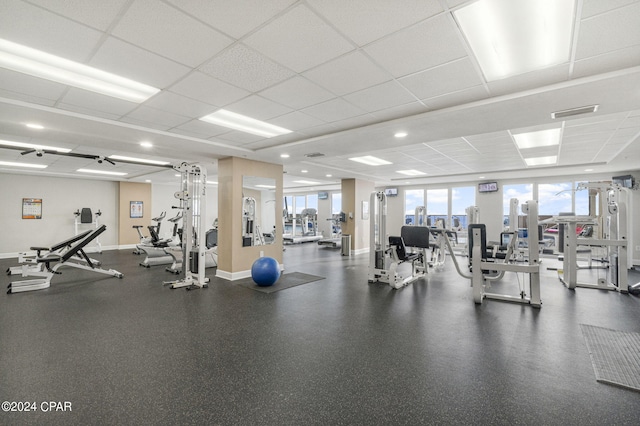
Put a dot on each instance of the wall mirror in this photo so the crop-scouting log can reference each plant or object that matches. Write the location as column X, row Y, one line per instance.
column 258, row 211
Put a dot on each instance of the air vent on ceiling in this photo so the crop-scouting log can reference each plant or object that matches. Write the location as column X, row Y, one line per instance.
column 574, row 111
column 314, row 154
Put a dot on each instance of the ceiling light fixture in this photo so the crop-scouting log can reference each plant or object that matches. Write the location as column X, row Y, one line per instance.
column 514, row 37
column 210, row 182
column 574, row 111
column 138, row 160
column 537, row 139
column 39, row 64
column 148, row 180
column 541, row 161
column 304, row 171
column 411, row 172
column 243, row 123
column 329, row 175
column 146, row 144
column 33, row 146
column 588, row 170
column 284, row 156
column 370, row 160
column 307, row 182
column 266, row 186
column 401, row 134
column 34, row 126
column 101, row 172
column 29, row 165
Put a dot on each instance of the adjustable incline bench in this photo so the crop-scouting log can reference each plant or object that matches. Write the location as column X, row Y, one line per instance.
column 67, row 258
column 29, row 266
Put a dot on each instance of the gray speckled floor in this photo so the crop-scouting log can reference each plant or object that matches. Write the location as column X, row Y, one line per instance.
column 336, row 351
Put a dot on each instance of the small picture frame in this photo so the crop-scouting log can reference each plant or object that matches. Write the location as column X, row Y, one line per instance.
column 136, row 209
column 365, row 210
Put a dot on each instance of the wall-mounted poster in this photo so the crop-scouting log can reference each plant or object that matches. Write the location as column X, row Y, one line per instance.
column 32, row 208
column 135, row 209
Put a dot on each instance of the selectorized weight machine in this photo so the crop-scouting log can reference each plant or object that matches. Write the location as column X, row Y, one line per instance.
column 193, row 203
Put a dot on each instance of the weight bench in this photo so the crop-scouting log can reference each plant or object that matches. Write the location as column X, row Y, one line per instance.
column 29, row 265
column 74, row 256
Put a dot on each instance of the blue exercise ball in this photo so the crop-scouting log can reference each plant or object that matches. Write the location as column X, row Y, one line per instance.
column 265, row 271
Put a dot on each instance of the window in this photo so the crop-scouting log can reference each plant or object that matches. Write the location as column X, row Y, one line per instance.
column 523, row 192
column 461, row 198
column 554, row 198
column 582, row 202
column 412, row 198
column 336, row 202
column 437, row 206
column 288, row 203
column 312, row 201
column 300, row 203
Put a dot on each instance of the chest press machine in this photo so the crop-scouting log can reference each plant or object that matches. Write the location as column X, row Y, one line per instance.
column 480, row 266
column 72, row 255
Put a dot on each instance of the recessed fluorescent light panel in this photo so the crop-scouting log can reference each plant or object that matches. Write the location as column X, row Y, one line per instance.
column 307, row 182
column 243, row 123
column 31, row 166
column 541, row 161
column 266, row 186
column 146, row 144
column 35, row 126
column 101, row 172
column 39, row 64
column 370, row 160
column 412, row 172
column 400, row 134
column 139, row 160
column 33, row 146
column 511, row 37
column 212, row 182
column 541, row 138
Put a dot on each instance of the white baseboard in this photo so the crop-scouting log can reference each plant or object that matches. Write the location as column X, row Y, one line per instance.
column 360, row 251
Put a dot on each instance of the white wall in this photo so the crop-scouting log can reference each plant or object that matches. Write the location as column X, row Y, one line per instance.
column 60, row 199
column 163, row 199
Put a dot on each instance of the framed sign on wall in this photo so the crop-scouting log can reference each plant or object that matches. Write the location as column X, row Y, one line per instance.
column 135, row 209
column 32, row 208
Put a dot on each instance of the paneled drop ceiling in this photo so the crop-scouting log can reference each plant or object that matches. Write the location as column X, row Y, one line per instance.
column 344, row 76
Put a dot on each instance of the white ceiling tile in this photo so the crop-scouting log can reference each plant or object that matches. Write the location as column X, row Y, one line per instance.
column 96, row 14
column 610, row 61
column 452, row 77
column 595, row 7
column 238, row 138
column 156, row 26
column 631, row 121
column 97, row 102
column 426, row 45
column 609, row 31
column 364, row 21
column 153, row 115
column 88, row 111
column 34, row 87
column 347, row 74
column 201, row 128
column 314, row 43
column 382, row 96
column 258, row 107
column 297, row 92
column 207, row 89
column 39, row 29
column 296, row 121
column 235, row 18
column 354, row 122
column 462, row 97
column 127, row 60
column 246, row 68
column 454, row 3
column 333, row 110
column 177, row 104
